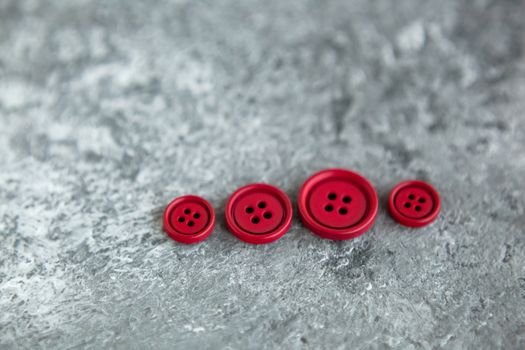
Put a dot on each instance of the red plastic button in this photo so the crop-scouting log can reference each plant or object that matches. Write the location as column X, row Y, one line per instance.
column 258, row 213
column 189, row 219
column 338, row 204
column 414, row 203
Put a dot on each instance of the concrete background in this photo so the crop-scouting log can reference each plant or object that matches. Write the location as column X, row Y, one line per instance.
column 110, row 109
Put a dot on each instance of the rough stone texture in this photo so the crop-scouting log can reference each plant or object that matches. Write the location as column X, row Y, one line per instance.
column 109, row 109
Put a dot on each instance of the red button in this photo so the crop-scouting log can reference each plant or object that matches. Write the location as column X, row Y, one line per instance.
column 414, row 203
column 189, row 219
column 338, row 204
column 258, row 213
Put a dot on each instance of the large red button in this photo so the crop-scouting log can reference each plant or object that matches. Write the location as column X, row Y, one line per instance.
column 189, row 219
column 414, row 203
column 338, row 204
column 258, row 213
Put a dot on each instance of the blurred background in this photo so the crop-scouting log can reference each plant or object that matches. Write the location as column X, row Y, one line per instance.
column 110, row 109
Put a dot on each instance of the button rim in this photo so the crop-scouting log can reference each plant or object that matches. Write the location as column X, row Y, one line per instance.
column 414, row 222
column 254, row 238
column 188, row 238
column 334, row 233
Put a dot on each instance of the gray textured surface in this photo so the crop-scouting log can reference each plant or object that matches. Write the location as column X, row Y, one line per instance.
column 109, row 109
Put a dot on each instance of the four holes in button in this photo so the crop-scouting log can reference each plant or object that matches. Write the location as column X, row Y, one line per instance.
column 412, row 197
column 255, row 219
column 190, row 223
column 332, row 197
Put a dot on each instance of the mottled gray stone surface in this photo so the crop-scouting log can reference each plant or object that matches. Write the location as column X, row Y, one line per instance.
column 109, row 109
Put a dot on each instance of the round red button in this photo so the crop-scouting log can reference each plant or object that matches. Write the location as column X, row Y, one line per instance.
column 189, row 219
column 414, row 203
column 338, row 204
column 258, row 213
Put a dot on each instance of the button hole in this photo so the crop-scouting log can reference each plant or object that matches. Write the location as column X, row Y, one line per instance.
column 256, row 220
column 181, row 219
column 191, row 223
column 421, row 200
column 187, row 211
column 332, row 196
column 407, row 205
column 418, row 208
column 347, row 199
column 267, row 215
column 196, row 215
column 262, row 205
column 411, row 196
column 249, row 210
column 343, row 211
column 329, row 208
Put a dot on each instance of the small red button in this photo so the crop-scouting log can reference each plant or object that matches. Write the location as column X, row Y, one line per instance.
column 258, row 213
column 189, row 219
column 338, row 204
column 414, row 203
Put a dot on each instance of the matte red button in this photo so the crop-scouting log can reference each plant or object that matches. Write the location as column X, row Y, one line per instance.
column 258, row 213
column 414, row 203
column 189, row 219
column 338, row 204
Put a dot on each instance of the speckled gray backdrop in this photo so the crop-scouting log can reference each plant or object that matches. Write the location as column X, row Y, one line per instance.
column 110, row 109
